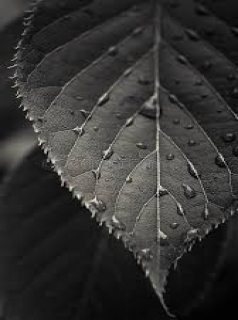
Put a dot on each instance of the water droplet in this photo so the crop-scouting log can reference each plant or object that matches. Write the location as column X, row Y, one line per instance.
column 192, row 171
column 143, row 81
column 176, row 121
column 192, row 35
column 103, row 99
column 182, row 59
column 231, row 77
column 119, row 116
column 79, row 98
column 192, row 234
column 201, row 10
column 79, row 131
column 130, row 122
column 107, row 154
column 235, row 151
column 129, row 179
column 96, row 173
column 235, row 31
column 192, row 143
column 180, row 210
column 113, row 51
column 146, row 255
column 189, row 192
column 220, row 161
column 141, row 145
column 235, row 93
column 85, row 113
column 199, row 82
column 163, row 192
column 229, row 137
column 189, row 126
column 137, row 31
column 163, row 239
column 174, row 225
column 128, row 72
column 170, row 157
column 149, row 109
column 207, row 65
column 204, row 95
column 173, row 99
column 205, row 213
column 117, row 224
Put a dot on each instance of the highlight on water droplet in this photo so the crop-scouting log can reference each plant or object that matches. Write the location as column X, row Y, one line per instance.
column 113, row 51
column 107, row 154
column 103, row 99
column 170, row 157
column 189, row 192
column 220, row 161
column 229, row 137
column 79, row 131
column 141, row 145
column 97, row 173
column 174, row 225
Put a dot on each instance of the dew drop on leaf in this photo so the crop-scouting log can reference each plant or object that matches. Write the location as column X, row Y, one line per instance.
column 229, row 137
column 180, row 210
column 96, row 173
column 181, row 59
column 79, row 131
column 130, row 122
column 220, row 162
column 207, row 65
column 113, row 51
column 144, row 81
column 174, row 225
column 189, row 192
column 173, row 99
column 192, row 171
column 176, row 121
column 85, row 113
column 231, row 77
column 205, row 213
column 189, row 126
column 235, row 93
column 170, row 157
column 141, row 145
column 191, row 143
column 107, row 154
column 201, row 10
column 129, row 179
column 192, row 35
column 235, row 31
column 103, row 99
column 163, row 192
column 138, row 31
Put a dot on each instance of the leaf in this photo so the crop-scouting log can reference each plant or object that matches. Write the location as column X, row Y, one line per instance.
column 55, row 263
column 134, row 108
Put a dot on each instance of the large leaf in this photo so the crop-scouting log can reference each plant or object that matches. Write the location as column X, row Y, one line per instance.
column 56, row 263
column 135, row 111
